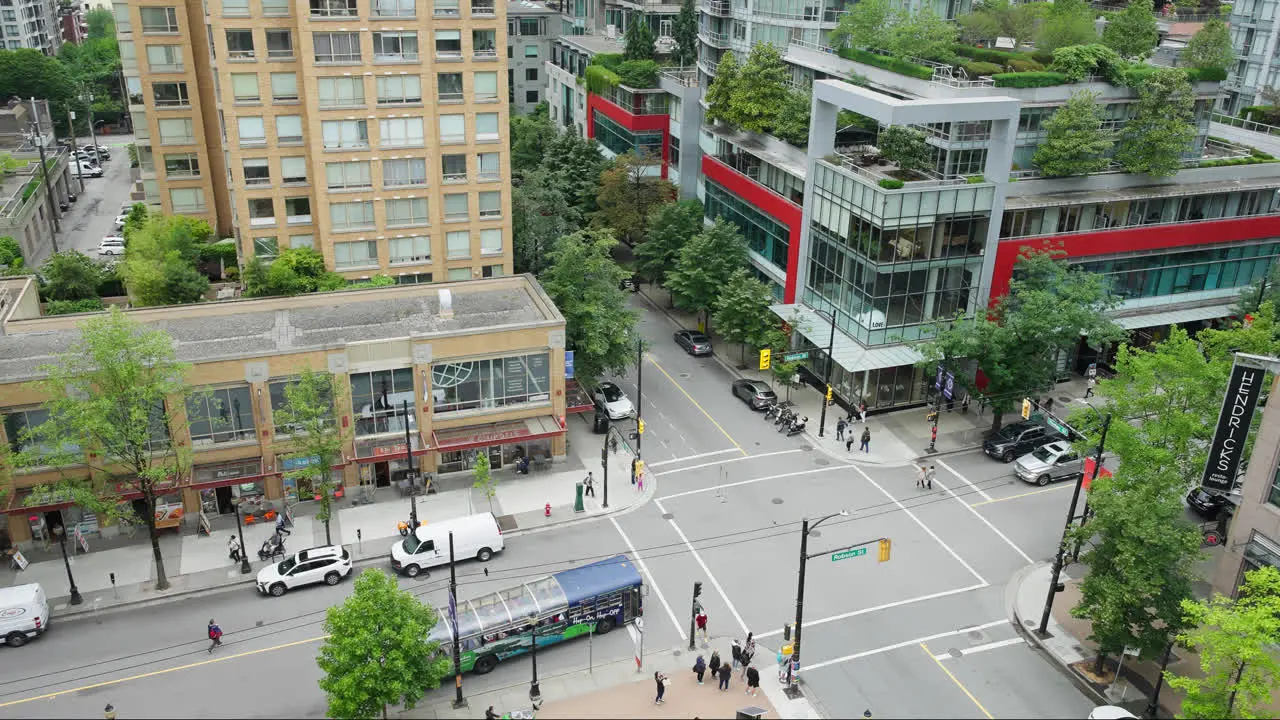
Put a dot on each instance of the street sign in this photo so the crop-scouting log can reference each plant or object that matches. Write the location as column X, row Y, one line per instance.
column 794, row 356
column 568, row 364
column 1058, row 426
column 846, row 554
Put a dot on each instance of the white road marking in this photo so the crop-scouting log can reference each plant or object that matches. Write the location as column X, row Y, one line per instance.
column 694, row 457
column 924, row 527
column 905, row 643
column 653, row 582
column 984, row 520
column 965, row 480
column 753, row 480
column 886, row 606
column 728, row 460
column 712, row 578
column 982, row 648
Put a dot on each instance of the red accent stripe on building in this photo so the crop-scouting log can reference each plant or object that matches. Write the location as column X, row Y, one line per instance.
column 768, row 202
column 1134, row 239
column 632, row 122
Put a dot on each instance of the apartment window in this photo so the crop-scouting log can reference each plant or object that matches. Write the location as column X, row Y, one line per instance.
column 486, row 86
column 488, row 166
column 337, row 47
column 459, row 274
column 302, row 241
column 448, row 44
column 484, row 44
column 416, row 249
column 221, row 415
column 257, row 171
column 449, row 86
column 275, row 8
column 159, row 19
column 531, row 96
column 289, row 129
column 362, row 253
column 351, row 215
column 240, row 44
column 187, row 200
column 400, row 90
column 531, row 74
column 490, row 206
column 491, row 242
column 1273, row 497
column 486, row 127
column 182, row 165
column 453, row 129
column 341, row 91
column 284, row 87
column 297, row 210
column 266, row 248
column 531, row 51
column 454, row 168
column 458, row 246
column 403, row 212
column 482, row 8
column 293, row 170
column 176, row 131
column 400, row 132
column 333, row 8
column 252, row 131
column 262, row 212
column 21, row 428
column 352, row 175
column 170, row 94
column 165, row 58
column 413, row 278
column 394, row 47
column 345, row 133
column 244, row 87
column 455, row 207
column 445, row 8
column 235, row 8
column 394, row 8
column 405, row 172
column 279, row 44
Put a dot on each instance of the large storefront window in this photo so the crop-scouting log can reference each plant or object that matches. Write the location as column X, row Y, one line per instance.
column 378, row 399
column 220, row 415
column 765, row 236
column 18, row 426
column 276, row 389
column 490, row 383
column 1147, row 274
column 1261, row 551
column 646, row 145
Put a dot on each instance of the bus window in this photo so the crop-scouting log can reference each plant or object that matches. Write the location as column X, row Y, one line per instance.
column 630, row 604
column 471, row 643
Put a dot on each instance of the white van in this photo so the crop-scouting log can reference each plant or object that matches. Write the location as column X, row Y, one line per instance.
column 476, row 536
column 24, row 613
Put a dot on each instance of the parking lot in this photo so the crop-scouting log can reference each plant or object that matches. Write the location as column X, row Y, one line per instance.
column 93, row 214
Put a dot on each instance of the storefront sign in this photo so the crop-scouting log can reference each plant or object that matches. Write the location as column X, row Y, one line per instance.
column 384, row 450
column 226, row 471
column 297, row 463
column 1233, row 427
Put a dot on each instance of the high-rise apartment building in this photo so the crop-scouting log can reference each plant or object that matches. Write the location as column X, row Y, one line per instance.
column 1255, row 31
column 374, row 131
column 30, row 24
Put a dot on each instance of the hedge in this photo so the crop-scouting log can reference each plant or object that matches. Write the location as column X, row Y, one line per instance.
column 1027, row 65
column 999, row 57
column 1234, row 161
column 1030, row 79
column 1207, row 74
column 600, row 79
column 976, row 69
column 902, row 67
column 891, row 183
column 66, row 307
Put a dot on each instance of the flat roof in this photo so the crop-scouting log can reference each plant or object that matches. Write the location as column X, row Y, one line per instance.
column 528, row 7
column 265, row 327
column 594, row 44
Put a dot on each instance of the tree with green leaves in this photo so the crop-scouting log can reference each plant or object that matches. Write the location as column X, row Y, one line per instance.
column 906, row 147
column 106, row 398
column 639, row 38
column 530, row 135
column 1067, row 22
column 1160, row 129
column 628, row 193
column 1235, row 641
column 742, row 315
column 584, row 282
column 1252, row 296
column 70, row 275
column 1075, row 142
column 791, row 123
column 10, row 255
column 685, row 32
column 1210, row 47
column 482, row 476
column 722, row 88
column 294, row 271
column 863, row 24
column 576, row 166
column 999, row 18
column 670, row 227
column 1016, row 344
column 1132, row 31
column 541, row 215
column 705, row 266
column 310, row 437
column 760, row 89
column 786, row 374
column 135, row 220
column 376, row 652
column 29, row 73
column 922, row 34
column 101, row 23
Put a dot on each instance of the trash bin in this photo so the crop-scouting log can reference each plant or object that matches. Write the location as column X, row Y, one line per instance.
column 577, row 498
column 750, row 713
column 601, row 424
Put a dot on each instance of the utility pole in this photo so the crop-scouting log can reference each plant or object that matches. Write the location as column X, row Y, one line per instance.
column 693, row 613
column 413, row 481
column 635, row 462
column 826, row 397
column 805, row 529
column 92, row 135
column 71, row 123
column 535, row 693
column 38, row 139
column 458, row 701
column 604, row 464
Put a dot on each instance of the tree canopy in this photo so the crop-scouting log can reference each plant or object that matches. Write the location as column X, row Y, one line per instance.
column 1075, row 142
column 160, row 261
column 71, row 275
column 309, row 435
column 741, row 313
column 1067, row 22
column 628, row 193
column 860, row 26
column 999, row 18
column 294, row 271
column 29, row 73
column 1132, row 31
column 905, row 146
column 1210, row 47
column 670, row 227
column 639, row 38
column 1161, row 128
column 759, row 90
column 685, row 32
column 705, row 266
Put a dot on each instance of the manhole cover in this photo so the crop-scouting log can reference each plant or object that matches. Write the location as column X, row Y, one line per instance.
column 806, row 448
column 976, row 634
column 668, row 516
column 777, row 501
column 821, row 461
column 955, row 653
column 685, row 376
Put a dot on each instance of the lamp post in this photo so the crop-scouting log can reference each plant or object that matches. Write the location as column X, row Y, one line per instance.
column 805, row 528
column 59, row 531
column 1084, row 512
column 535, row 693
column 244, row 549
column 413, row 482
column 831, row 346
column 635, row 462
column 37, row 138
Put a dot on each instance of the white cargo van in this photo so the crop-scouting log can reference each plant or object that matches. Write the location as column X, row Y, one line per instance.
column 475, row 536
column 24, row 613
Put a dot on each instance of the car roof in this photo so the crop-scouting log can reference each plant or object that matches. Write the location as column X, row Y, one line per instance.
column 1058, row 446
column 323, row 551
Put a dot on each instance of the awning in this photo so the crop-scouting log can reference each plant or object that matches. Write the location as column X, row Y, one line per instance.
column 1174, row 317
column 207, row 477
column 505, row 433
column 849, row 354
column 376, row 451
column 576, row 399
column 16, row 499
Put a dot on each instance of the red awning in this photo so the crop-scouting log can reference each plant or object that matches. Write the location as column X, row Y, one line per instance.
column 390, row 450
column 15, row 507
column 504, row 433
column 576, row 399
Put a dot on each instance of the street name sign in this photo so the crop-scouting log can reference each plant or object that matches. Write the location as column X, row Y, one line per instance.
column 846, row 554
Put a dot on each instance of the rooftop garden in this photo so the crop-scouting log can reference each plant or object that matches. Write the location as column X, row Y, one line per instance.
column 759, row 97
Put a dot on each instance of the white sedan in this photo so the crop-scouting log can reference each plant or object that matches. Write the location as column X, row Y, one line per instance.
column 120, row 219
column 614, row 402
column 111, row 245
column 327, row 564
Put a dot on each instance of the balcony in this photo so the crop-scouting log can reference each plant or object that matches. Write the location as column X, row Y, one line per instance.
column 638, row 101
column 714, row 39
column 866, row 162
column 716, row 8
column 485, row 54
column 483, row 8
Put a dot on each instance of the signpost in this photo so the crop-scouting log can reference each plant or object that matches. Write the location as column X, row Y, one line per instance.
column 846, row 554
column 794, row 356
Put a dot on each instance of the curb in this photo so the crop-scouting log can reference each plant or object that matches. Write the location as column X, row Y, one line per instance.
column 1032, row 638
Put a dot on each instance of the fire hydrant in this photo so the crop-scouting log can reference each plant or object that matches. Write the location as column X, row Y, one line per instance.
column 547, row 510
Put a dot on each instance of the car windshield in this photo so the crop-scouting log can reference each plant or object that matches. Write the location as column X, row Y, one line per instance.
column 611, row 393
column 1044, row 454
column 284, row 567
column 410, row 544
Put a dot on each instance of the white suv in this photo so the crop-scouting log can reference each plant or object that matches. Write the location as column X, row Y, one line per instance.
column 328, row 564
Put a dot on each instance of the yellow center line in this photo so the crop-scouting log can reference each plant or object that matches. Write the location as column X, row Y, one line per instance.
column 1064, row 486
column 118, row 681
column 695, row 403
column 955, row 680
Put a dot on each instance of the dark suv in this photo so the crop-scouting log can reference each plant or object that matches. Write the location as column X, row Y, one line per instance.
column 1018, row 439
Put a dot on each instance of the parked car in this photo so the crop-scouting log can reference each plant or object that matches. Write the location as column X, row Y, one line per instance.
column 1049, row 463
column 615, row 403
column 327, row 564
column 754, row 393
column 87, row 158
column 120, row 220
column 1017, row 439
column 1207, row 504
column 24, row 613
column 88, row 170
column 110, row 248
column 101, row 150
column 693, row 342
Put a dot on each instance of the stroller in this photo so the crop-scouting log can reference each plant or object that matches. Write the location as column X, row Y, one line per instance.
column 272, row 547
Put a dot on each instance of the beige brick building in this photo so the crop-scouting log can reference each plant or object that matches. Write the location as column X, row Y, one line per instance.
column 374, row 131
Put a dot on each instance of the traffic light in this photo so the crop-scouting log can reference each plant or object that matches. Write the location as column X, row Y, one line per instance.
column 1026, row 408
column 640, row 426
column 884, row 549
column 697, row 589
column 765, row 357
column 828, row 393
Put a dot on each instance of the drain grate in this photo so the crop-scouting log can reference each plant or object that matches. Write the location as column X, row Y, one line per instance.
column 776, row 501
column 668, row 516
column 955, row 653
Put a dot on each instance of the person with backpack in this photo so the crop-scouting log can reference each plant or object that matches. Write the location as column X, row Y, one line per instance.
column 714, row 664
column 215, row 635
column 753, row 680
column 699, row 668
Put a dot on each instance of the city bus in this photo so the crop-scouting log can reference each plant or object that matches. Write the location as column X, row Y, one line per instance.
column 569, row 604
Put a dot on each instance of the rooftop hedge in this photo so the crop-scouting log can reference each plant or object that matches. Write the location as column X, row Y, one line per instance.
column 902, row 67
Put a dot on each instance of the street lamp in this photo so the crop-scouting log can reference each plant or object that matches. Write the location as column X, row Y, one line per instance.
column 244, row 549
column 635, row 461
column 413, row 481
column 61, row 534
column 535, row 693
column 805, row 528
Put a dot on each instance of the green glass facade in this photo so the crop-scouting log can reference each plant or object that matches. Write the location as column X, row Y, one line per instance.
column 620, row 140
column 765, row 236
column 1149, row 274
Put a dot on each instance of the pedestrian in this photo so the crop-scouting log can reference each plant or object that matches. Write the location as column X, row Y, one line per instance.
column 929, row 476
column 866, row 440
column 233, row 545
column 700, row 620
column 281, row 530
column 490, row 714
column 750, row 646
column 215, row 635
column 589, row 483
column 848, row 442
column 661, row 681
column 736, row 652
column 920, row 475
column 1048, row 404
column 725, row 673
column 840, row 425
column 1088, row 390
column 699, row 668
column 753, row 681
column 714, row 665
column 747, row 652
column 640, row 482
column 862, row 412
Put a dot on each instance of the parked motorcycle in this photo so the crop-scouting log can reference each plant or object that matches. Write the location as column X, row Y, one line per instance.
column 784, row 418
column 771, row 411
column 797, row 427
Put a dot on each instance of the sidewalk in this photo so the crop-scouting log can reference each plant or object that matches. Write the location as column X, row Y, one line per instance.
column 199, row 564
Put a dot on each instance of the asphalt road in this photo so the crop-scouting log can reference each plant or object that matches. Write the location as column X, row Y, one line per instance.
column 923, row 635
column 94, row 212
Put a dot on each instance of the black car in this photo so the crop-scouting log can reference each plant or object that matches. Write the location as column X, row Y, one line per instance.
column 1014, row 441
column 1207, row 504
column 693, row 342
column 754, row 393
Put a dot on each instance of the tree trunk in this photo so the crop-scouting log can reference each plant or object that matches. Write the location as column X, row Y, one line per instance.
column 1099, row 663
column 384, row 711
column 995, row 419
column 326, row 509
column 162, row 580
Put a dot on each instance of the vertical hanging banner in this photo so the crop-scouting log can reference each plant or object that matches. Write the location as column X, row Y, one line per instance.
column 1233, row 426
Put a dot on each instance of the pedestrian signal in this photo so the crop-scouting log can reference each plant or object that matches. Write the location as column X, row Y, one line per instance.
column 1026, row 409
column 765, row 358
column 640, row 426
column 884, row 549
column 828, row 392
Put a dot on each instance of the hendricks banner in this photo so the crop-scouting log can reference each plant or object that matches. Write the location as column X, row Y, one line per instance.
column 1233, row 427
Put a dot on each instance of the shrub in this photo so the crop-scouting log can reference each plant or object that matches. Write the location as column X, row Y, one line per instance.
column 902, row 67
column 975, row 179
column 609, row 60
column 1044, row 57
column 1027, row 65
column 638, row 73
column 891, row 184
column 600, row 79
column 1207, row 74
column 982, row 68
column 1255, row 152
column 1030, row 79
column 1078, row 61
column 1226, row 162
column 66, row 307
